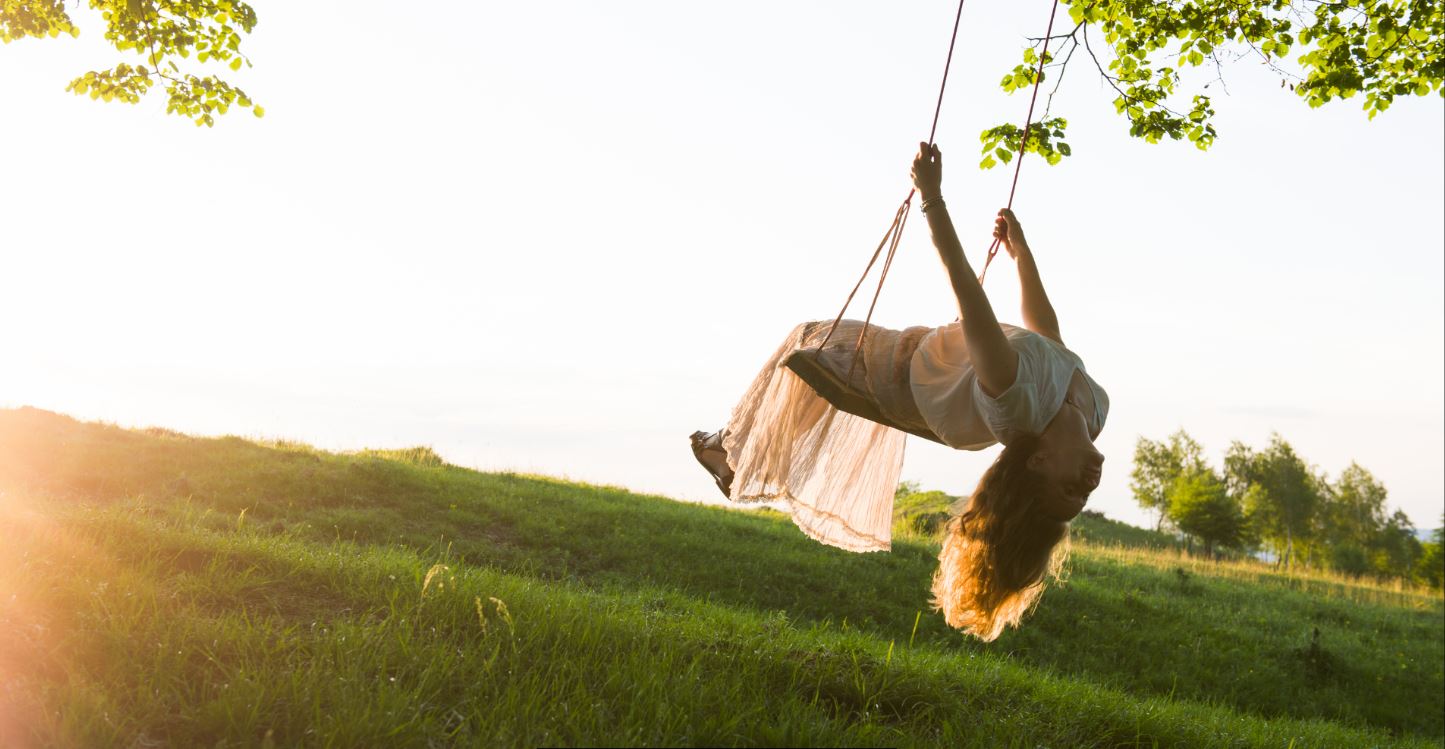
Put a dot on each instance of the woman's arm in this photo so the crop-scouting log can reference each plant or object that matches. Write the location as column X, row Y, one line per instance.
column 1038, row 312
column 994, row 361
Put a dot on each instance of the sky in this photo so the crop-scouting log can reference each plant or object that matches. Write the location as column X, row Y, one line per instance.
column 560, row 237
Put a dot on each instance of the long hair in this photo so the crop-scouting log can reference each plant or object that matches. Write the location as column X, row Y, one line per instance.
column 997, row 552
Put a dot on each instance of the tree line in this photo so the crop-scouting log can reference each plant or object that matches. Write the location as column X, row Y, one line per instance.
column 1270, row 499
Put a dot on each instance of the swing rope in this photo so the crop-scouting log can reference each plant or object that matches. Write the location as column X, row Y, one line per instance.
column 895, row 231
column 1023, row 145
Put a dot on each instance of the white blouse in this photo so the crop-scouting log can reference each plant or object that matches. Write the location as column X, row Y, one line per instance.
column 956, row 408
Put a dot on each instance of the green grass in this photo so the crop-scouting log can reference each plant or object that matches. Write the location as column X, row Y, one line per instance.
column 162, row 588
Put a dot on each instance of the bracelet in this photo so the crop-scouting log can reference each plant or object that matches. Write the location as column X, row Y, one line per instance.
column 931, row 202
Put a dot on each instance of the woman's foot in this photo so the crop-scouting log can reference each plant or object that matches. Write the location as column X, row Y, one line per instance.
column 708, row 450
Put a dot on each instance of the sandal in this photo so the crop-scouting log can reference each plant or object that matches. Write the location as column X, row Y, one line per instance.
column 708, row 450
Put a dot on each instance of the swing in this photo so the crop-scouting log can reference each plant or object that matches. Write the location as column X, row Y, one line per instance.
column 824, row 373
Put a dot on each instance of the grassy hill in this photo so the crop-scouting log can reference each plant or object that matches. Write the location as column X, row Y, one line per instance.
column 163, row 589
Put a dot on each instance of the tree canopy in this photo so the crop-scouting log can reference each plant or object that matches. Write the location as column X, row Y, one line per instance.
column 1430, row 568
column 1200, row 507
column 1156, row 467
column 1146, row 53
column 1285, row 511
column 164, row 34
column 1355, row 508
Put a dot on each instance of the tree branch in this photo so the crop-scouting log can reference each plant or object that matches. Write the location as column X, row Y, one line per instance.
column 1114, row 82
column 1037, row 39
column 1063, row 68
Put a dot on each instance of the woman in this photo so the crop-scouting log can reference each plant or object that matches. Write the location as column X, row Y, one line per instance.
column 969, row 385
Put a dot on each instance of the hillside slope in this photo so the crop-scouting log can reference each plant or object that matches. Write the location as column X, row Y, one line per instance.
column 212, row 590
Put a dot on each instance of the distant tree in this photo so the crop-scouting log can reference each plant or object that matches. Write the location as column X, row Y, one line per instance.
column 1357, row 534
column 1143, row 52
column 159, row 32
column 920, row 512
column 1430, row 568
column 1240, row 471
column 1396, row 549
column 1349, row 559
column 1254, row 496
column 1200, row 507
column 1156, row 467
column 1283, row 511
column 1353, row 511
column 1352, row 517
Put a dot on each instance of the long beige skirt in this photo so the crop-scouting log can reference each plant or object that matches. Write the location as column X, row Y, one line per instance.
column 836, row 471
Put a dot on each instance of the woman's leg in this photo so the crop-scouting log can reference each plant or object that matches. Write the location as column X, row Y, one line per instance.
column 710, row 447
column 836, row 471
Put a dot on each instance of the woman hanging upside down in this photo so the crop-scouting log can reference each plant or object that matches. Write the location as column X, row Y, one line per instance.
column 822, row 428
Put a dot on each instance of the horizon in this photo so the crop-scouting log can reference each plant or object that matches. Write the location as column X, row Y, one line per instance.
column 558, row 240
column 1423, row 533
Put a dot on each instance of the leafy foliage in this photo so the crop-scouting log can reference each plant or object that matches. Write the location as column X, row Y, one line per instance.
column 999, row 143
column 39, row 18
column 1200, row 506
column 160, row 32
column 1396, row 549
column 1430, row 567
column 1143, row 49
column 1354, row 511
column 1353, row 517
column 1157, row 465
column 1284, row 509
column 920, row 514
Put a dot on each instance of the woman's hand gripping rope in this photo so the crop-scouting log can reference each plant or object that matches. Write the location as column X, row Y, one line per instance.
column 1006, row 229
column 927, row 172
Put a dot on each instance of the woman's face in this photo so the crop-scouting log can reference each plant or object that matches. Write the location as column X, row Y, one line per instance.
column 1071, row 470
column 1069, row 463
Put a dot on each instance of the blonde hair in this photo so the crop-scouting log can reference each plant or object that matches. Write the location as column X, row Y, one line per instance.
column 997, row 552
